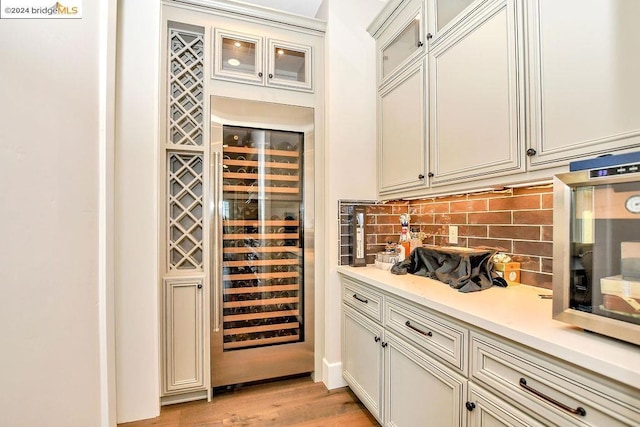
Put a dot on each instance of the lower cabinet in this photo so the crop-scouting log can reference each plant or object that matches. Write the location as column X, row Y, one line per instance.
column 362, row 359
column 488, row 410
column 413, row 367
column 183, row 344
column 418, row 390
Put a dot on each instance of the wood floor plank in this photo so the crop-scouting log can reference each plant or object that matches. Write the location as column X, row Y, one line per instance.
column 288, row 402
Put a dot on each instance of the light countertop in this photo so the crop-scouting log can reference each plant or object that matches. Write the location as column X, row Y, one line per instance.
column 517, row 313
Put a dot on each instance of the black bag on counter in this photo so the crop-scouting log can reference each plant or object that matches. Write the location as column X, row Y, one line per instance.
column 466, row 271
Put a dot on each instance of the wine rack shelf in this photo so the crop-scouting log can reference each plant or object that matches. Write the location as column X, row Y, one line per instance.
column 262, row 277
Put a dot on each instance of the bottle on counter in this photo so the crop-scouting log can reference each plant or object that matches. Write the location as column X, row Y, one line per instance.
column 404, row 244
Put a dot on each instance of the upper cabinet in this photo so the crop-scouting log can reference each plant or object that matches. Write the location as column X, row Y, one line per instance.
column 517, row 89
column 254, row 59
column 475, row 103
column 401, row 40
column 584, row 89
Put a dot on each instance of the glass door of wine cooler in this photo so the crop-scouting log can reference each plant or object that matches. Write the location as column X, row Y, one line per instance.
column 262, row 303
column 262, row 234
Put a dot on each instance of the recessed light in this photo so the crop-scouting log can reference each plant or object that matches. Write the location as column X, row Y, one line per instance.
column 237, row 44
column 233, row 62
column 280, row 52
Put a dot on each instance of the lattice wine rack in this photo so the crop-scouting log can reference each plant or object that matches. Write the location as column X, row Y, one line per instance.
column 184, row 173
column 186, row 88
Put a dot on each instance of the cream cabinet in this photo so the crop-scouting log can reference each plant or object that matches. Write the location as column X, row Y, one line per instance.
column 476, row 104
column 184, row 335
column 583, row 86
column 549, row 390
column 485, row 409
column 401, row 383
column 263, row 61
column 402, row 155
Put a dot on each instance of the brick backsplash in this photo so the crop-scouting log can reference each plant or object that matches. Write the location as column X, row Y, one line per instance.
column 517, row 221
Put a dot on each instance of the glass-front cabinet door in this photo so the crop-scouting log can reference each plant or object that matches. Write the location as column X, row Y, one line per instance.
column 447, row 11
column 261, row 61
column 401, row 41
column 289, row 65
column 238, row 57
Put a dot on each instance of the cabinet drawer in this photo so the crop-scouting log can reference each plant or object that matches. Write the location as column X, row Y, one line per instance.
column 362, row 298
column 549, row 389
column 440, row 338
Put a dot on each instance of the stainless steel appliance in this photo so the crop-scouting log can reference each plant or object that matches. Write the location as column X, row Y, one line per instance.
column 596, row 281
column 262, row 260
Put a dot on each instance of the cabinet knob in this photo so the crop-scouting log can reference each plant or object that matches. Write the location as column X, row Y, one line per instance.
column 376, row 339
column 270, row 75
column 260, row 74
column 531, row 152
column 429, row 36
column 421, row 176
column 199, row 285
column 470, row 406
column 420, row 44
column 384, row 344
column 430, row 174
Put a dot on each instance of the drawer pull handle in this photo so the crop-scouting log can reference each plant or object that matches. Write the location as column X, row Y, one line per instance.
column 578, row 411
column 366, row 301
column 410, row 326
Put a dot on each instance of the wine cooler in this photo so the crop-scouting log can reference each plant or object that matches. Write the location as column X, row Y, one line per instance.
column 262, row 281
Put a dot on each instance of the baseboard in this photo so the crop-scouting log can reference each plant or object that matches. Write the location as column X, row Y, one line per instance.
column 332, row 374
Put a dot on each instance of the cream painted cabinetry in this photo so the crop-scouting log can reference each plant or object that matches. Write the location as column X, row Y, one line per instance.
column 399, row 380
column 583, row 79
column 549, row 390
column 402, row 89
column 184, row 337
column 475, row 97
column 402, row 154
column 254, row 59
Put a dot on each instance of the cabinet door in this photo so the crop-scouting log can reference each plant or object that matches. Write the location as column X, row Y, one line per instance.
column 183, row 334
column 584, row 86
column 401, row 132
column 402, row 40
column 420, row 391
column 475, row 104
column 289, row 65
column 488, row 410
column 362, row 359
column 237, row 57
column 446, row 14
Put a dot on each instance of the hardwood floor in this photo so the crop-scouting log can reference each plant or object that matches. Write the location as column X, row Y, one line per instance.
column 289, row 402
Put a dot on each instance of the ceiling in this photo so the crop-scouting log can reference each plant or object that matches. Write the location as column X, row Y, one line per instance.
column 300, row 7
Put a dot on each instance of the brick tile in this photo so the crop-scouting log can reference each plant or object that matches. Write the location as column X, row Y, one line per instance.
column 384, row 238
column 378, row 209
column 530, row 263
column 546, row 234
column 457, row 218
column 489, row 194
column 490, row 218
column 372, row 239
column 444, row 241
column 380, row 229
column 499, row 244
column 469, row 206
column 400, row 207
column 435, row 229
column 547, row 201
column 514, row 232
column 421, row 219
column 541, row 280
column 473, row 230
column 414, row 210
column 533, row 248
column 387, row 219
column 547, row 265
column 540, row 217
column 533, row 190
column 515, row 203
column 437, row 207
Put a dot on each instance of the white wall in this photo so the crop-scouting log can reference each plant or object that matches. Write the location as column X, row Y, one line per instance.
column 49, row 147
column 350, row 142
column 136, row 211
